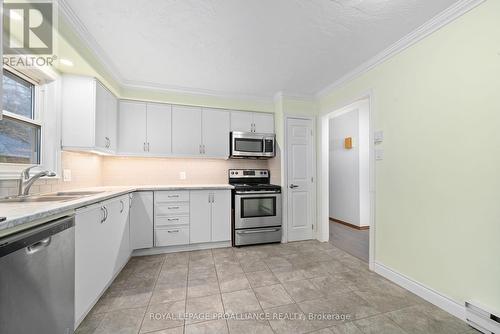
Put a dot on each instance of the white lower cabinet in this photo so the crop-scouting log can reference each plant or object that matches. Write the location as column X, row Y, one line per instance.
column 210, row 216
column 200, row 213
column 101, row 249
column 141, row 220
column 221, row 215
column 172, row 236
column 171, row 223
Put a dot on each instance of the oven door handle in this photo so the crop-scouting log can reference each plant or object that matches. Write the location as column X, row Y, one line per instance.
column 259, row 231
column 256, row 194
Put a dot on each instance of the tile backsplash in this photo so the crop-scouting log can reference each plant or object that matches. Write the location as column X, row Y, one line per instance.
column 91, row 170
column 85, row 171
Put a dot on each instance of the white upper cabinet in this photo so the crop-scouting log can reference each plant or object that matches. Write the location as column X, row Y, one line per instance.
column 88, row 115
column 252, row 122
column 263, row 123
column 241, row 121
column 159, row 129
column 186, row 131
column 132, row 128
column 215, row 131
column 145, row 128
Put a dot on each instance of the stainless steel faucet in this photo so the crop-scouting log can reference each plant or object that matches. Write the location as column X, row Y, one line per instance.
column 25, row 182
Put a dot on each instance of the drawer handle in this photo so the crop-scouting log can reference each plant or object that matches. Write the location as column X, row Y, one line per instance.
column 173, row 196
column 172, row 219
column 173, row 207
column 173, row 231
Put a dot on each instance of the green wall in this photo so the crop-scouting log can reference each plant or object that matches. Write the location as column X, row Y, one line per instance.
column 438, row 187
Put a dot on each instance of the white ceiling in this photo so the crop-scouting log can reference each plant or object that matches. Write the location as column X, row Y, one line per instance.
column 247, row 47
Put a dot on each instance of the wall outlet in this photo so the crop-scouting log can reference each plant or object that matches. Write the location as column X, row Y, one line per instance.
column 182, row 175
column 378, row 137
column 379, row 154
column 67, row 175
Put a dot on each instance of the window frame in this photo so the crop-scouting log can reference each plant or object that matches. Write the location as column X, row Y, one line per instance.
column 43, row 104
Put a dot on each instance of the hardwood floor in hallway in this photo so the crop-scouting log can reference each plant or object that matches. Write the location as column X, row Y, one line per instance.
column 350, row 240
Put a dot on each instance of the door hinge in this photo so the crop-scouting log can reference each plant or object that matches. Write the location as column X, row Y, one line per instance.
column 312, row 179
column 312, row 226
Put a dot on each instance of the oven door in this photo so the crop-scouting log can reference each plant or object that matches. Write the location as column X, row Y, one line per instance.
column 253, row 210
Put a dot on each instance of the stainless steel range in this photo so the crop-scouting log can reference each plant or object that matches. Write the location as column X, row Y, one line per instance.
column 256, row 207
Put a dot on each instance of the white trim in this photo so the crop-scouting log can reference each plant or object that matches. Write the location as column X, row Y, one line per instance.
column 432, row 296
column 180, row 248
column 89, row 41
column 130, row 84
column 323, row 208
column 442, row 19
column 284, row 185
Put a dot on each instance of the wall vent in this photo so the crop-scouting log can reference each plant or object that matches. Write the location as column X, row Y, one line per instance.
column 482, row 319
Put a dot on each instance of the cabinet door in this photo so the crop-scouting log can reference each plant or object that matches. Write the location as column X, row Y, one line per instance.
column 121, row 232
column 241, row 121
column 159, row 128
column 215, row 124
column 200, row 214
column 263, row 123
column 112, row 121
column 141, row 220
column 132, row 127
column 112, row 231
column 101, row 106
column 90, row 265
column 221, row 215
column 186, row 130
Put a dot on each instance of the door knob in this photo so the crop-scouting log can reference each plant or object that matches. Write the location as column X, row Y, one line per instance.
column 293, row 186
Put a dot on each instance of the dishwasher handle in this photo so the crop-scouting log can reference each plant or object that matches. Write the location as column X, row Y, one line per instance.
column 38, row 246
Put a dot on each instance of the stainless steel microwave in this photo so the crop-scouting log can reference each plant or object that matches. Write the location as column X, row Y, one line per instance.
column 252, row 145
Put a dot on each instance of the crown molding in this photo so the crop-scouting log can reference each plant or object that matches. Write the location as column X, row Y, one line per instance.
column 442, row 19
column 88, row 40
column 129, row 84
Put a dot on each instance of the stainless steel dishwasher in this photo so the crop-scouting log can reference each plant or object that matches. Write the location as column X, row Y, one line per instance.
column 37, row 279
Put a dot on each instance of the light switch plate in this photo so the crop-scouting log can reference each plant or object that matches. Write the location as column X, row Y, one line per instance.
column 378, row 136
column 182, row 175
column 67, row 175
column 379, row 154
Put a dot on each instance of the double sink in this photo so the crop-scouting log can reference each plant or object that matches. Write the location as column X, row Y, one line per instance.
column 62, row 196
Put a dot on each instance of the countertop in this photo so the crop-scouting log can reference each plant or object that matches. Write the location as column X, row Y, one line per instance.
column 24, row 215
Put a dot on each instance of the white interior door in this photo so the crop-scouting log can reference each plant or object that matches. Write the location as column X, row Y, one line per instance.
column 299, row 179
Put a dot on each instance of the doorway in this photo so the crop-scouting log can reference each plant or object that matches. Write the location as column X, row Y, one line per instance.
column 347, row 169
column 349, row 191
column 299, row 178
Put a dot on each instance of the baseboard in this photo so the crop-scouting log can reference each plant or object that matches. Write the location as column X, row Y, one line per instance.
column 180, row 248
column 432, row 296
column 356, row 227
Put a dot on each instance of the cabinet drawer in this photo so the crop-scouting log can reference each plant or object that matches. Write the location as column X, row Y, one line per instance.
column 172, row 196
column 172, row 236
column 171, row 208
column 171, row 220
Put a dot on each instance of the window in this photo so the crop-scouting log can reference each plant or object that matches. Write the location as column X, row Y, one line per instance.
column 20, row 129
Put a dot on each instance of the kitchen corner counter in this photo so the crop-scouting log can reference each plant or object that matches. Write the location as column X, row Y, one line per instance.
column 24, row 215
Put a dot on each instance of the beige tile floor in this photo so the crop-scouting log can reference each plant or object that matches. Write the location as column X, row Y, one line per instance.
column 289, row 286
